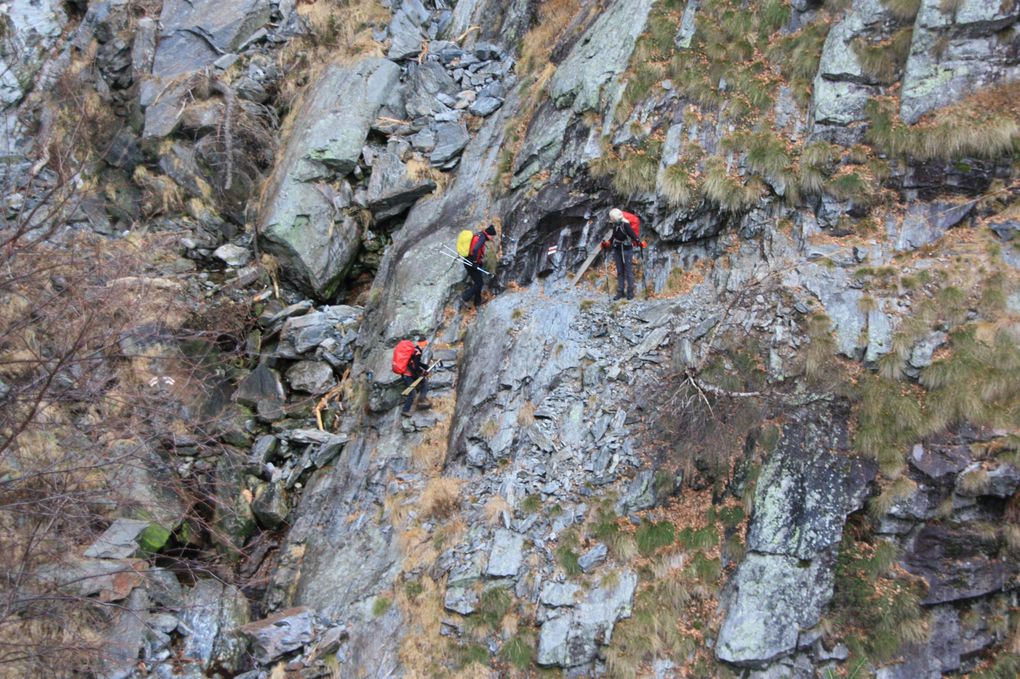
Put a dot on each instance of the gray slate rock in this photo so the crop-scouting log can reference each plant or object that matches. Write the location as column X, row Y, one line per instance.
column 775, row 597
column 807, row 488
column 640, row 494
column 425, row 83
column 270, row 505
column 119, row 541
column 302, row 334
column 232, row 255
column 574, row 638
column 300, row 220
column 484, row 106
column 262, row 390
column 281, row 633
column 391, row 189
column 463, row 600
column 954, row 54
column 557, row 594
column 593, row 557
column 602, row 54
column 211, row 617
column 451, row 138
column 506, row 554
column 407, row 36
column 957, row 563
column 312, row 377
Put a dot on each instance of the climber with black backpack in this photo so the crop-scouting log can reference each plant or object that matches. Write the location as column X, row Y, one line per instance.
column 409, row 363
column 626, row 236
column 475, row 256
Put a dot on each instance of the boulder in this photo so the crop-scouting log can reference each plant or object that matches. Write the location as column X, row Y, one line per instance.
column 957, row 563
column 407, row 36
column 281, row 633
column 451, row 138
column 392, row 189
column 463, row 600
column 232, row 255
column 119, row 541
column 27, row 32
column 302, row 334
column 925, row 223
column 640, row 494
column 300, row 220
column 573, row 639
column 593, row 557
column 210, row 619
column 194, row 35
column 427, row 84
column 557, row 594
column 262, row 390
column 506, row 554
column 270, row 505
column 312, row 377
column 599, row 56
column 807, row 487
column 774, row 598
column 484, row 106
column 955, row 53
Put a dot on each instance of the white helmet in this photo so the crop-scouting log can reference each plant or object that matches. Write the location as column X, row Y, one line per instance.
column 616, row 214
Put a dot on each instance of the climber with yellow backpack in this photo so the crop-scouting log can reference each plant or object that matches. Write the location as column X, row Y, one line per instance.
column 473, row 262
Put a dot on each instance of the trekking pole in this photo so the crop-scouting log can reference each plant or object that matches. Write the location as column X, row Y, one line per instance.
column 445, row 251
column 428, row 371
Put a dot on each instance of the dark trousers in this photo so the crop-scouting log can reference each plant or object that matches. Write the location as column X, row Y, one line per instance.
column 624, row 256
column 422, row 390
column 474, row 291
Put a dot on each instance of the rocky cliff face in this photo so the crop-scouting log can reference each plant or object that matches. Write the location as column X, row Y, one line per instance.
column 794, row 454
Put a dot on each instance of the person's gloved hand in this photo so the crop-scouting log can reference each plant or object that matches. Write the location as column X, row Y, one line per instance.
column 644, row 244
column 605, row 245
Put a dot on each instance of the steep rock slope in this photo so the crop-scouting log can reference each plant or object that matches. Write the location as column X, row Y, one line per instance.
column 671, row 486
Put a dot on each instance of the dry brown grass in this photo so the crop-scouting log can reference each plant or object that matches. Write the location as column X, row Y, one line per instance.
column 494, row 510
column 430, row 453
column 423, row 649
column 526, row 415
column 553, row 18
column 418, row 168
column 441, row 497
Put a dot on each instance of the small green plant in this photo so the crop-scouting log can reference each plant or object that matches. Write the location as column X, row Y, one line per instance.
column 413, row 588
column 904, row 10
column 651, row 536
column 493, row 605
column 381, row 605
column 703, row 568
column 698, row 538
column 568, row 560
column 531, row 504
column 587, row 304
column 652, row 629
column 518, row 651
column 883, row 62
column 731, row 516
column 469, row 654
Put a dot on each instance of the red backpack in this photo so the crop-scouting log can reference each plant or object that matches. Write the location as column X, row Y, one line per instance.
column 402, row 354
column 636, row 227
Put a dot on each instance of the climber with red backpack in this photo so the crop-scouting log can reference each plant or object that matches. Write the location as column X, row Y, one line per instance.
column 626, row 236
column 473, row 265
column 409, row 363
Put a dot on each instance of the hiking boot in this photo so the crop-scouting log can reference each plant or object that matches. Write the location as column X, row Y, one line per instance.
column 619, row 295
column 424, row 404
column 630, row 296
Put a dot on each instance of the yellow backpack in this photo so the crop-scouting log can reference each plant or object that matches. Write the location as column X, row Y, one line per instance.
column 464, row 242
